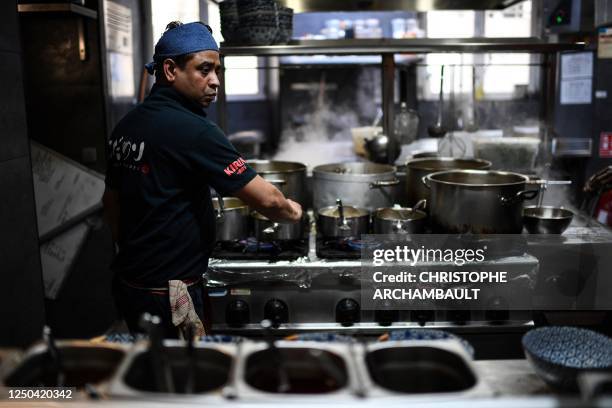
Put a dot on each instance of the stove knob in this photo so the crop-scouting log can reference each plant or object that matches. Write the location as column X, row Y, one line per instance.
column 498, row 310
column 458, row 316
column 422, row 316
column 386, row 317
column 237, row 313
column 276, row 311
column 347, row 312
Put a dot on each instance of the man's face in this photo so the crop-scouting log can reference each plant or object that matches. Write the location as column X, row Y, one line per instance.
column 199, row 80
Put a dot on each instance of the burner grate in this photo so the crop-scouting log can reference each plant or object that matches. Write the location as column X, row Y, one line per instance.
column 251, row 249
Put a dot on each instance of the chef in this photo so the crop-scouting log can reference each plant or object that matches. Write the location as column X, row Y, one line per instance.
column 163, row 157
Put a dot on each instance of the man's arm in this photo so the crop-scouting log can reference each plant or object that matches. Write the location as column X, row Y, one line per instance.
column 110, row 200
column 266, row 199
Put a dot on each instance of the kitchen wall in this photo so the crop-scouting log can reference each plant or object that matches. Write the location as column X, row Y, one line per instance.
column 21, row 290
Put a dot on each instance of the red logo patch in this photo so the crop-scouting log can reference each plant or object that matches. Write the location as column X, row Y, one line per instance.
column 145, row 169
column 236, row 167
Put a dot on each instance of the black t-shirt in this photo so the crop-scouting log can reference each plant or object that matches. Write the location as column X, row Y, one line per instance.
column 162, row 159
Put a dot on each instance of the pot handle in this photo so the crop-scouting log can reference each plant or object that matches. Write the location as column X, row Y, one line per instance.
column 384, row 183
column 221, row 210
column 420, row 205
column 520, row 196
column 424, row 181
column 280, row 182
column 342, row 221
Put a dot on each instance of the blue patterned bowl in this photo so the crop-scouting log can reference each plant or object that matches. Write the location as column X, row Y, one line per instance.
column 559, row 354
column 426, row 334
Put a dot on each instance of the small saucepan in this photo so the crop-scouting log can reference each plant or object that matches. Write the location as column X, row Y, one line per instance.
column 546, row 220
column 342, row 221
column 400, row 220
column 266, row 230
column 232, row 219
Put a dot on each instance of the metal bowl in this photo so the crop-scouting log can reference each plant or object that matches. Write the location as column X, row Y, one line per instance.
column 546, row 220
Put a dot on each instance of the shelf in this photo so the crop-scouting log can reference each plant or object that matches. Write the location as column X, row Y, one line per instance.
column 388, row 45
column 57, row 7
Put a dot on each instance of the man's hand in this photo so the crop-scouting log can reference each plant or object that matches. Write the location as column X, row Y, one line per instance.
column 263, row 197
column 297, row 210
column 599, row 180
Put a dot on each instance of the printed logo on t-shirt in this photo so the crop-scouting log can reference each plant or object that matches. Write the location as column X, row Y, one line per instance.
column 128, row 154
column 236, row 167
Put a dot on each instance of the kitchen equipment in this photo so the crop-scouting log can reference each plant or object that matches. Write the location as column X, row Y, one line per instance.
column 82, row 363
column 232, row 219
column 416, row 169
column 419, row 367
column 342, row 221
column 437, row 129
column 364, row 185
column 399, row 220
column 406, row 125
column 546, row 219
column 212, row 365
column 360, row 134
column 378, row 147
column 289, row 177
column 559, row 353
column 266, row 230
column 477, row 201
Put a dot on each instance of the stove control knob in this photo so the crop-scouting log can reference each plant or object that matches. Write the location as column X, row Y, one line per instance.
column 386, row 317
column 237, row 313
column 276, row 311
column 348, row 312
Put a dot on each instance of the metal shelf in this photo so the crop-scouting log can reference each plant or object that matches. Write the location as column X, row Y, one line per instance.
column 57, row 7
column 391, row 46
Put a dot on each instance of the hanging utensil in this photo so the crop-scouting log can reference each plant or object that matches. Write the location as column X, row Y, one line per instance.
column 438, row 130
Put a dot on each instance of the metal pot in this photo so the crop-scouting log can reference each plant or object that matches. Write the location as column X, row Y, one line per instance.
column 289, row 177
column 399, row 220
column 266, row 230
column 363, row 185
column 416, row 169
column 342, row 221
column 477, row 201
column 232, row 219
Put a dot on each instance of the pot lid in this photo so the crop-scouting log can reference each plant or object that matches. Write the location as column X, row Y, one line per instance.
column 272, row 166
column 447, row 163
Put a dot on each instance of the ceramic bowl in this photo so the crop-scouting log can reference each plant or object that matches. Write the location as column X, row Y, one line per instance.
column 558, row 353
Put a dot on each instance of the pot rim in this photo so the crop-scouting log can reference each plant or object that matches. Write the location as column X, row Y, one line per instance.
column 225, row 199
column 568, row 213
column 299, row 167
column 364, row 212
column 524, row 178
column 414, row 163
column 421, row 214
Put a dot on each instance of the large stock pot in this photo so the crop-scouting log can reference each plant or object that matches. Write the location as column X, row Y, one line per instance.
column 232, row 219
column 289, row 177
column 477, row 201
column 416, row 169
column 363, row 185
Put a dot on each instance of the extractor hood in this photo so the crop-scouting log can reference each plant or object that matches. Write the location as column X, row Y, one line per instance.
column 300, row 6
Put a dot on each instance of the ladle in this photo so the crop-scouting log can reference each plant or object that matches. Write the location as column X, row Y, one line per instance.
column 437, row 130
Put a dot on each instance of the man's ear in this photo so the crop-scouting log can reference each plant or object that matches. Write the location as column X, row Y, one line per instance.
column 169, row 67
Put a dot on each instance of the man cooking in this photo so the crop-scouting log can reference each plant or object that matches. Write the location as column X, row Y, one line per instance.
column 163, row 157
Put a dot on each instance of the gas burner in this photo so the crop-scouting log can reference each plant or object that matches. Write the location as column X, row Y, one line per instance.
column 251, row 249
column 253, row 245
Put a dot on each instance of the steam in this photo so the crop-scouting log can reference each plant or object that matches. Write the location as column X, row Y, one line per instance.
column 323, row 135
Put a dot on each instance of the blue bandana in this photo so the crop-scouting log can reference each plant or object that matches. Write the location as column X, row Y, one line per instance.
column 184, row 39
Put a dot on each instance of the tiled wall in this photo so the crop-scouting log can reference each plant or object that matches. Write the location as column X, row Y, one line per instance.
column 21, row 290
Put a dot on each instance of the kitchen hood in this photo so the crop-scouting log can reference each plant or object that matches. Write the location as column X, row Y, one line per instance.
column 300, row 6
